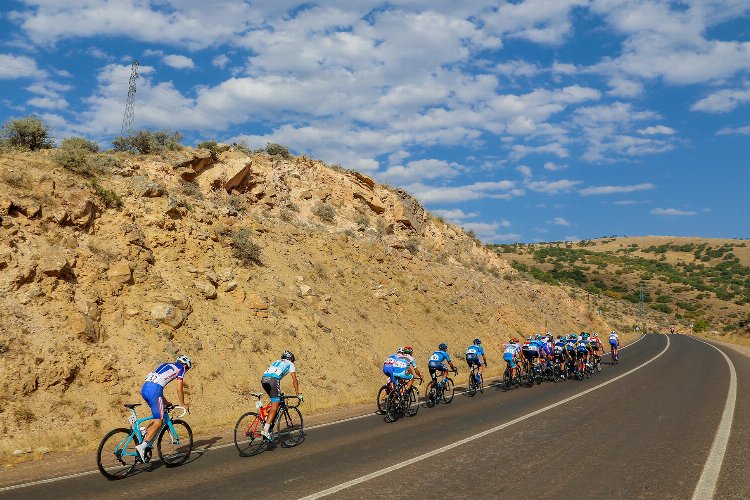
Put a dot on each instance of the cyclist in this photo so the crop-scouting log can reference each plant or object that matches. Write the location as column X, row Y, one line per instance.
column 614, row 344
column 153, row 393
column 510, row 356
column 271, row 382
column 583, row 348
column 596, row 345
column 571, row 352
column 406, row 353
column 559, row 354
column 388, row 363
column 532, row 350
column 472, row 357
column 436, row 363
column 548, row 349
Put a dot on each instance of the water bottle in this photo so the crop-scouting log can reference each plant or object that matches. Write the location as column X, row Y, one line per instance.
column 143, row 430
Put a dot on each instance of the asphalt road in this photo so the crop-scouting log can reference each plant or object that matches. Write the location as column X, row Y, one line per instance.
column 643, row 428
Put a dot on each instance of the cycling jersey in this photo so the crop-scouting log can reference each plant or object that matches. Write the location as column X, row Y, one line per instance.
column 438, row 358
column 165, row 373
column 476, row 350
column 152, row 391
column 409, row 359
column 613, row 338
column 400, row 369
column 388, row 365
column 279, row 369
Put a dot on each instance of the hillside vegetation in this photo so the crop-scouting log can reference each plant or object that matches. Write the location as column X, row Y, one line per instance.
column 111, row 262
column 704, row 284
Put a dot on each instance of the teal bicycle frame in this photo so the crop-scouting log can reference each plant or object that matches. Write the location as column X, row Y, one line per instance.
column 122, row 448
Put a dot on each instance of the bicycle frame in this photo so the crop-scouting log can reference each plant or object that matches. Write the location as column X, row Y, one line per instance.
column 136, row 432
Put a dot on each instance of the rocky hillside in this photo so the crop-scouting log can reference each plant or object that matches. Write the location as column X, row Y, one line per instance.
column 111, row 263
column 702, row 284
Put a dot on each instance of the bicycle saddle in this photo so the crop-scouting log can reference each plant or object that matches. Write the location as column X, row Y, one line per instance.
column 255, row 394
column 132, row 405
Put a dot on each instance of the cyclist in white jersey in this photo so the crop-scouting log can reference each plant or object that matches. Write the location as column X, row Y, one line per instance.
column 153, row 393
column 271, row 383
column 614, row 343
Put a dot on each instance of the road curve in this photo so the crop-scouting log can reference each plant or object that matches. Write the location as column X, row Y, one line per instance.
column 646, row 434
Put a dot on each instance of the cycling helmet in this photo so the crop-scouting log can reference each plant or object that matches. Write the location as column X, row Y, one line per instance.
column 288, row 355
column 400, row 350
column 408, row 349
column 585, row 336
column 477, row 342
column 573, row 336
column 185, row 361
column 596, row 335
column 614, row 332
column 443, row 346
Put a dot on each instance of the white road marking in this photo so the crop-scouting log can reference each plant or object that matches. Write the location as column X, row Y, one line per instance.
column 226, row 445
column 706, row 487
column 373, row 475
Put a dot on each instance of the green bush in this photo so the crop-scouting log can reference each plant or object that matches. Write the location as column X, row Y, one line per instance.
column 147, row 142
column 700, row 325
column 236, row 202
column 80, row 143
column 661, row 308
column 213, row 147
column 325, row 212
column 274, row 149
column 362, row 221
column 244, row 248
column 412, row 244
column 29, row 133
column 110, row 198
column 191, row 189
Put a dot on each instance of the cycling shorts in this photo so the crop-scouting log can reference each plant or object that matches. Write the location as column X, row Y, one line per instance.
column 509, row 358
column 530, row 355
column 473, row 360
column 437, row 368
column 272, row 386
column 613, row 343
column 388, row 370
column 153, row 395
column 402, row 374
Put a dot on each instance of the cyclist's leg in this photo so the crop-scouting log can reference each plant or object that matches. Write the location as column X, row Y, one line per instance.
column 272, row 386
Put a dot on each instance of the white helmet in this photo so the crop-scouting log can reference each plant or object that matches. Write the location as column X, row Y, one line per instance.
column 185, row 361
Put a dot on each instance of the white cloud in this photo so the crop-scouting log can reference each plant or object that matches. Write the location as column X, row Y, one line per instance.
column 552, row 187
column 177, row 61
column 48, row 102
column 595, row 190
column 625, row 202
column 671, row 212
column 490, row 231
column 220, row 61
column 657, row 130
column 455, row 215
column 13, row 66
column 722, row 101
column 420, row 170
column 625, row 87
column 554, row 167
column 734, row 131
column 453, row 194
column 524, row 170
column 559, row 221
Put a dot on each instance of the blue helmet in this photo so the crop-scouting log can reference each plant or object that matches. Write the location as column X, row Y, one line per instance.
column 477, row 342
column 443, row 346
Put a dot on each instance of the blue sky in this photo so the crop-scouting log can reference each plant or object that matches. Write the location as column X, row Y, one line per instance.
column 534, row 120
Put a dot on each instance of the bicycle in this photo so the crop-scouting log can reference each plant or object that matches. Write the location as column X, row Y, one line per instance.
column 597, row 364
column 116, row 456
column 509, row 381
column 476, row 381
column 535, row 374
column 436, row 391
column 615, row 356
column 402, row 403
column 290, row 430
column 382, row 398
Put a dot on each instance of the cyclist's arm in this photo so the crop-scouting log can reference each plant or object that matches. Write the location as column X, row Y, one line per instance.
column 296, row 384
column 417, row 372
column 484, row 358
column 181, row 394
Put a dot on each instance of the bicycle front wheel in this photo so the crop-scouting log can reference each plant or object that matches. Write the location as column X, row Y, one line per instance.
column 289, row 428
column 430, row 397
column 247, row 436
column 472, row 385
column 507, row 379
column 116, row 455
column 393, row 407
column 448, row 391
column 175, row 446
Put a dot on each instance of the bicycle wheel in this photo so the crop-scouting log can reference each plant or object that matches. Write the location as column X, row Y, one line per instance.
column 393, row 407
column 289, row 428
column 448, row 391
column 413, row 407
column 507, row 379
column 247, row 437
column 431, row 394
column 382, row 399
column 116, row 455
column 472, row 385
column 598, row 365
column 176, row 448
column 539, row 376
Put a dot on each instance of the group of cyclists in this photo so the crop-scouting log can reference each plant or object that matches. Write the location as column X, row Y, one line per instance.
column 565, row 351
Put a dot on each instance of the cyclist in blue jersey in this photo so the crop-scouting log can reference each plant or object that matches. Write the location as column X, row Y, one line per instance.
column 388, row 363
column 436, row 363
column 583, row 348
column 271, row 382
column 571, row 351
column 153, row 393
column 510, row 355
column 473, row 352
column 406, row 353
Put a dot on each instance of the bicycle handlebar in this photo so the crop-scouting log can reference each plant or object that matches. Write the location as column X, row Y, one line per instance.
column 171, row 408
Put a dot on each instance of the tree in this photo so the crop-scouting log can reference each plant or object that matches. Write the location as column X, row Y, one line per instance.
column 29, row 133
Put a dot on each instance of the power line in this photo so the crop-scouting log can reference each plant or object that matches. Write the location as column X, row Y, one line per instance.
column 127, row 119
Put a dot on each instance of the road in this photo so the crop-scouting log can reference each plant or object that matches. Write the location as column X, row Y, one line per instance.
column 647, row 427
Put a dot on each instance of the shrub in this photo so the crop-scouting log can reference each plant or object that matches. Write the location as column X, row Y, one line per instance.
column 362, row 221
column 213, row 147
column 110, row 198
column 29, row 133
column 24, row 415
column 700, row 325
column 15, row 179
column 75, row 160
column 274, row 149
column 661, row 307
column 244, row 248
column 147, row 141
column 236, row 202
column 80, row 143
column 191, row 189
column 286, row 215
column 412, row 244
column 325, row 212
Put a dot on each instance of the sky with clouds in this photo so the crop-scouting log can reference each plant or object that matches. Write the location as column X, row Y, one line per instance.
column 535, row 120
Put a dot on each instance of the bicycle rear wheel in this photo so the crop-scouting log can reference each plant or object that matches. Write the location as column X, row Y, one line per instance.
column 448, row 391
column 507, row 380
column 472, row 385
column 289, row 428
column 176, row 448
column 247, row 437
column 413, row 402
column 393, row 407
column 382, row 399
column 431, row 394
column 113, row 458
